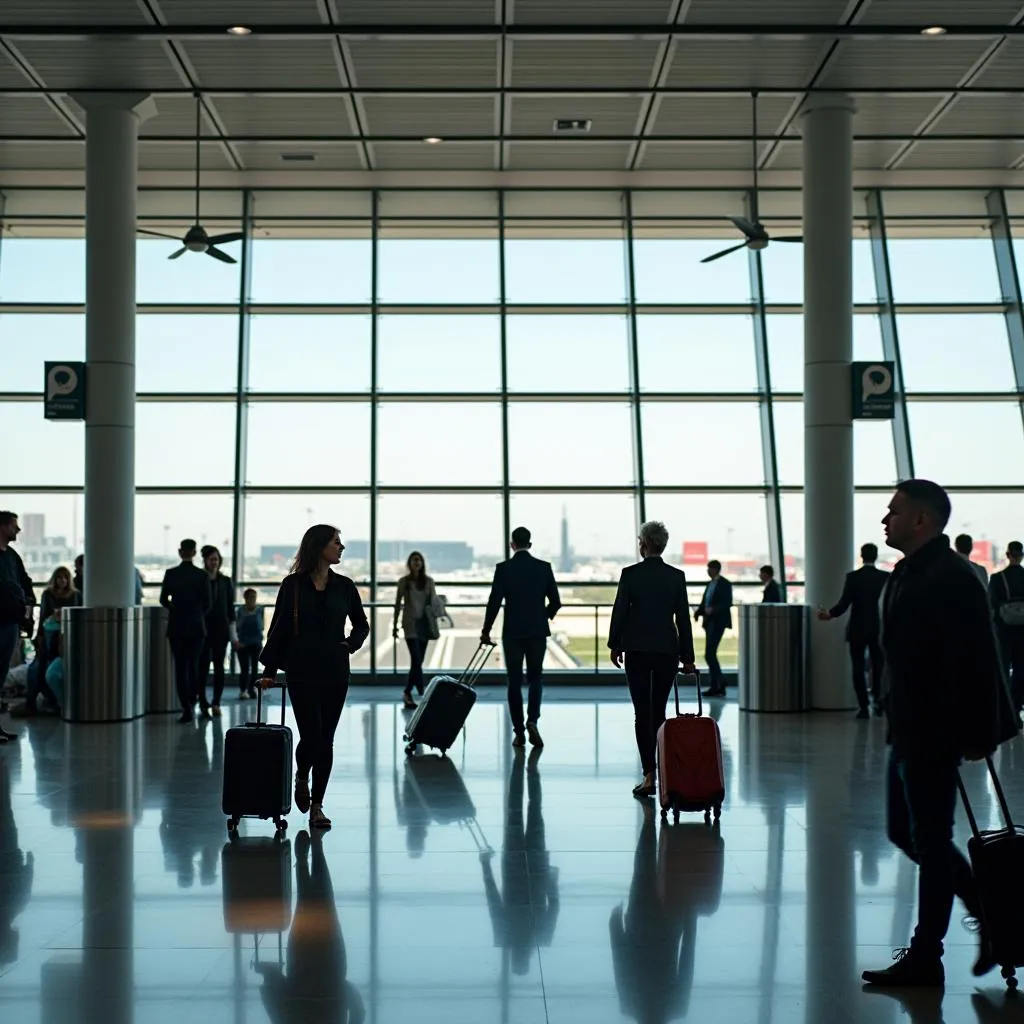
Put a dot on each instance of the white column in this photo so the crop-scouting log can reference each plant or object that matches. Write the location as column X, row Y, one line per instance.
column 827, row 124
column 111, row 178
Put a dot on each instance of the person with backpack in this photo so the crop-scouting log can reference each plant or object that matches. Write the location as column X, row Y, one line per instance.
column 1006, row 594
column 17, row 598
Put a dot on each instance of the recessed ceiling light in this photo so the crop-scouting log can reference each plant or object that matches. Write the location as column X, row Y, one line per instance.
column 433, row 140
column 933, row 30
column 239, row 30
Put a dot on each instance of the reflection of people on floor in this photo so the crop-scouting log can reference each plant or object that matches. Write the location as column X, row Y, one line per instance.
column 15, row 872
column 867, row 820
column 526, row 873
column 654, row 938
column 432, row 791
column 192, row 821
column 411, row 813
column 316, row 988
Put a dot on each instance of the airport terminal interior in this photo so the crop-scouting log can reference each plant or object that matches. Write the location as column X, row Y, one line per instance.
column 430, row 270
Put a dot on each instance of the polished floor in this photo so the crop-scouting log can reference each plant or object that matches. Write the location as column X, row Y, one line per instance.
column 492, row 887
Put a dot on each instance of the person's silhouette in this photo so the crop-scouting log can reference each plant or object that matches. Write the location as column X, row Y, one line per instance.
column 16, row 870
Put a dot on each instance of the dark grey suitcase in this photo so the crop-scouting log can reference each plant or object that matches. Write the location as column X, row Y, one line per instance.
column 445, row 706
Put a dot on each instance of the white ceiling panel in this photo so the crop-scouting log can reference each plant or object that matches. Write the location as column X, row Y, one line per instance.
column 719, row 115
column 99, row 62
column 449, row 156
column 695, row 156
column 780, row 63
column 941, row 12
column 610, row 115
column 71, row 12
column 176, row 156
column 616, row 63
column 176, row 115
column 42, row 156
column 591, row 12
column 435, row 63
column 866, row 155
column 937, row 155
column 975, row 114
column 239, row 12
column 396, row 12
column 31, row 115
column 902, row 63
column 227, row 63
column 891, row 115
column 740, row 12
column 270, row 156
column 1006, row 68
column 284, row 115
column 430, row 115
column 568, row 156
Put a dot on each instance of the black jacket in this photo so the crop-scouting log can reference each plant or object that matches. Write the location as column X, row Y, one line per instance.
column 1004, row 587
column 861, row 593
column 222, row 606
column 15, row 583
column 527, row 586
column 186, row 592
column 772, row 593
column 945, row 689
column 719, row 612
column 307, row 633
column 651, row 612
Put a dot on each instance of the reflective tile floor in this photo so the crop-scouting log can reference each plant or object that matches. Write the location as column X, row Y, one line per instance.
column 491, row 887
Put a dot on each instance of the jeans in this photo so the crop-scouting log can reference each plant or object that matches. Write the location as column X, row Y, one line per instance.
column 922, row 794
column 248, row 667
column 860, row 664
column 532, row 649
column 317, row 708
column 650, row 678
column 187, row 650
column 713, row 633
column 417, row 651
column 214, row 650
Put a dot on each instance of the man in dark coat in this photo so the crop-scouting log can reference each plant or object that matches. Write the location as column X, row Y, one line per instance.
column 946, row 700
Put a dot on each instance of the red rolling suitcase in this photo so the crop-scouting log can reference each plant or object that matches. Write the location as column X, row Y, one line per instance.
column 690, row 773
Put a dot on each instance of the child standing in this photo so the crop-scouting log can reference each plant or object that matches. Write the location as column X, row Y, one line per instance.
column 250, row 643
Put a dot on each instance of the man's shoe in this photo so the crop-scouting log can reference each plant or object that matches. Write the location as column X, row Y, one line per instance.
column 908, row 970
column 646, row 787
column 863, row 713
column 186, row 716
column 216, row 711
column 531, row 731
column 986, row 960
column 879, row 710
column 204, row 712
column 519, row 740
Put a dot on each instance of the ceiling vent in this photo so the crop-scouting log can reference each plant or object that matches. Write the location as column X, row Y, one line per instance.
column 298, row 158
column 572, row 125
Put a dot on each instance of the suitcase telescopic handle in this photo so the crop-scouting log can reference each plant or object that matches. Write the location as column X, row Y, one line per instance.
column 700, row 698
column 259, row 704
column 476, row 664
column 1000, row 796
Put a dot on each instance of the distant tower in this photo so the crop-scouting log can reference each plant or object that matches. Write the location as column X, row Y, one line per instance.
column 566, row 562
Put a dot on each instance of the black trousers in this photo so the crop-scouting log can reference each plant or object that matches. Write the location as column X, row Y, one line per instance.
column 922, row 795
column 248, row 666
column 871, row 647
column 417, row 652
column 650, row 678
column 186, row 651
column 1011, row 640
column 713, row 633
column 317, row 707
column 532, row 650
column 213, row 660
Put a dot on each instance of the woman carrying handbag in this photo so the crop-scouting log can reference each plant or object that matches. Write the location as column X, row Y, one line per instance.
column 420, row 608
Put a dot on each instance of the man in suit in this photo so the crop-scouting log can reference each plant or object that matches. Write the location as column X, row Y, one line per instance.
column 651, row 627
column 946, row 700
column 186, row 592
column 1006, row 593
column 860, row 596
column 527, row 586
column 772, row 593
column 964, row 545
column 715, row 609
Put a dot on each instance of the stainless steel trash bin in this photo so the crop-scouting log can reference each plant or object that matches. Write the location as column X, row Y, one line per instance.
column 773, row 657
column 104, row 664
column 161, row 696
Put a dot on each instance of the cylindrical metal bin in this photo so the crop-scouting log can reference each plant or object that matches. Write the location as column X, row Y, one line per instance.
column 104, row 664
column 773, row 657
column 161, row 695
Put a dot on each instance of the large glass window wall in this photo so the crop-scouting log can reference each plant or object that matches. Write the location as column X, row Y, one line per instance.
column 430, row 369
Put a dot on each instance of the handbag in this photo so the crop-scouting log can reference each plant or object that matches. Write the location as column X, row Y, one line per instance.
column 1012, row 612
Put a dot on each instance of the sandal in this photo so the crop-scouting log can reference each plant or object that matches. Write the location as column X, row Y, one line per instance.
column 317, row 818
column 302, row 797
column 407, row 702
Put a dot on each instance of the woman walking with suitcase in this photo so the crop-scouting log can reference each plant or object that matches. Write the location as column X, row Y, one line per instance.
column 414, row 602
column 307, row 639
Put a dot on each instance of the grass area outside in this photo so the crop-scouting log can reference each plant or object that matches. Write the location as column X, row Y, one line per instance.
column 582, row 649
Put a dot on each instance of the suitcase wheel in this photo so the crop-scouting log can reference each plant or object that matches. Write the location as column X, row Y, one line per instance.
column 410, row 749
column 232, row 827
column 718, row 811
column 1011, row 981
column 707, row 815
column 282, row 825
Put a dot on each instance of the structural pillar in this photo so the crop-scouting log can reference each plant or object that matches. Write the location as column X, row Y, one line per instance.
column 827, row 125
column 111, row 182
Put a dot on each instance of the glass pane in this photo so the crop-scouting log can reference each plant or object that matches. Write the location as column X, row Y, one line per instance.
column 958, row 443
column 567, row 353
column 293, row 444
column 730, row 527
column 584, row 536
column 782, row 269
column 874, row 454
column 163, row 520
column 868, row 510
column 181, row 444
column 786, row 347
column 670, row 270
column 943, row 270
column 993, row 520
column 578, row 444
column 316, row 270
column 933, row 348
column 41, row 452
column 565, row 270
column 28, row 340
column 42, row 270
column 309, row 354
column 439, row 353
column 438, row 270
column 51, row 530
column 193, row 277
column 696, row 353
column 275, row 523
column 699, row 443
column 424, row 444
column 186, row 353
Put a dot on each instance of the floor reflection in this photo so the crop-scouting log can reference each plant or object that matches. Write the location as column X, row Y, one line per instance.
column 16, row 870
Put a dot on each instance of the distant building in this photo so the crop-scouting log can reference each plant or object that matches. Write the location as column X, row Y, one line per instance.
column 566, row 559
column 33, row 529
column 441, row 555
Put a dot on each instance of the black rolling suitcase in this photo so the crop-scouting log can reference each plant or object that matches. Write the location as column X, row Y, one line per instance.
column 445, row 706
column 258, row 770
column 997, row 858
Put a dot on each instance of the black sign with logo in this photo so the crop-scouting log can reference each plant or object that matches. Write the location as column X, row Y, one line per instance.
column 874, row 391
column 64, row 391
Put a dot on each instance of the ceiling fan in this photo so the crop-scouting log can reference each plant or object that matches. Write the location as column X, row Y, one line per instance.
column 755, row 235
column 196, row 239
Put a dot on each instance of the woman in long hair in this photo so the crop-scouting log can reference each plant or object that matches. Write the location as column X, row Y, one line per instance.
column 220, row 628
column 307, row 639
column 60, row 593
column 413, row 602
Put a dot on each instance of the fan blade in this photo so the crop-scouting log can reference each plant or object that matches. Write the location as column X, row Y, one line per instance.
column 222, row 256
column 231, row 236
column 788, row 238
column 175, row 255
column 157, row 234
column 724, row 252
column 745, row 226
